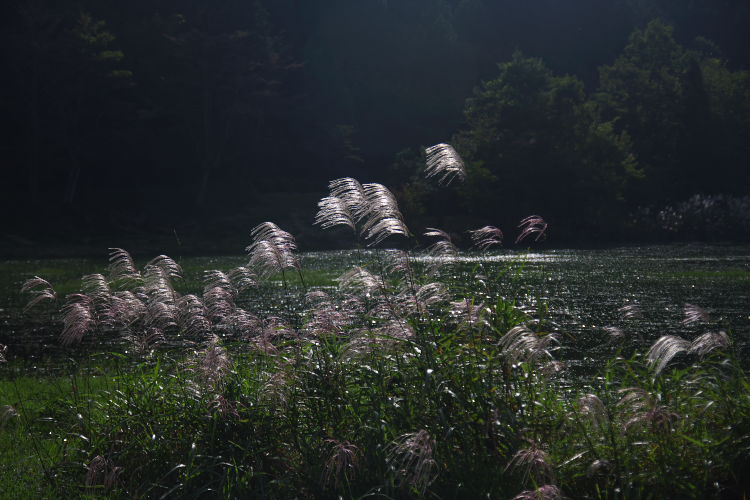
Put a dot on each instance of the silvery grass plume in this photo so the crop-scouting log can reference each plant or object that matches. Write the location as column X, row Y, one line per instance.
column 444, row 162
column 410, row 456
column 192, row 317
column 268, row 331
column 378, row 340
column 486, row 237
column 360, row 280
column 468, row 313
column 40, row 290
column 143, row 339
column 241, row 279
column 235, row 281
column 219, row 303
column 122, row 267
column 327, row 316
column 442, row 252
column 341, row 464
column 78, row 319
column 642, row 407
column 272, row 250
column 630, row 311
column 125, row 309
column 96, row 287
column 3, row 351
column 157, row 284
column 591, row 406
column 382, row 215
column 351, row 192
column 546, row 492
column 520, row 343
column 534, row 463
column 664, row 349
column 224, row 407
column 350, row 203
column 102, row 471
column 418, row 300
column 332, row 212
column 242, row 323
column 171, row 269
column 213, row 363
column 669, row 346
column 533, row 224
column 708, row 342
column 615, row 334
column 400, row 263
column 694, row 314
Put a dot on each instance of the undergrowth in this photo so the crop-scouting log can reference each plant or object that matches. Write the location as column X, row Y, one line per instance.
column 399, row 382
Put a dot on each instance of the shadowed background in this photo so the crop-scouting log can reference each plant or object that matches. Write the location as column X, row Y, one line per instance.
column 177, row 126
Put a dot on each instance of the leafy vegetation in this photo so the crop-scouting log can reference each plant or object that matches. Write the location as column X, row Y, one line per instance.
column 400, row 382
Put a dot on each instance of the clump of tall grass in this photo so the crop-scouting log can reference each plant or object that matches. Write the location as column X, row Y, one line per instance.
column 396, row 383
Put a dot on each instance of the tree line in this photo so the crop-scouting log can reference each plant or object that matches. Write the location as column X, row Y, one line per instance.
column 194, row 108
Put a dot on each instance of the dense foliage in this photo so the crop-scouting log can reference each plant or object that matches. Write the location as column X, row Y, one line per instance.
column 132, row 107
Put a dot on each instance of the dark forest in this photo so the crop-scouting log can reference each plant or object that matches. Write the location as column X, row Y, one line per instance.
column 189, row 122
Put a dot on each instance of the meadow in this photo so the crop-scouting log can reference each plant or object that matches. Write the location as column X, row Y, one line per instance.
column 379, row 373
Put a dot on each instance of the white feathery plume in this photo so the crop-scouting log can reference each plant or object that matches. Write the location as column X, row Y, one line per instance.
column 157, row 284
column 96, row 287
column 272, row 249
column 243, row 323
column 630, row 311
column 615, row 334
column 241, row 278
column 161, row 315
column 214, row 278
column 122, row 267
column 219, row 303
column 342, row 463
column 520, row 343
column 694, row 314
column 593, row 407
column 124, row 309
column 442, row 251
column 192, row 316
column 327, row 316
column 486, row 236
column 40, row 289
column 410, row 456
column 360, row 280
column 642, row 407
column 213, row 363
column 7, row 413
column 545, row 492
column 533, row 224
column 664, row 349
column 351, row 192
column 708, row 342
column 3, row 350
column 333, row 211
column 445, row 162
column 534, row 462
column 419, row 300
column 383, row 217
column 142, row 340
column 466, row 312
column 171, row 268
column 396, row 328
column 78, row 319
